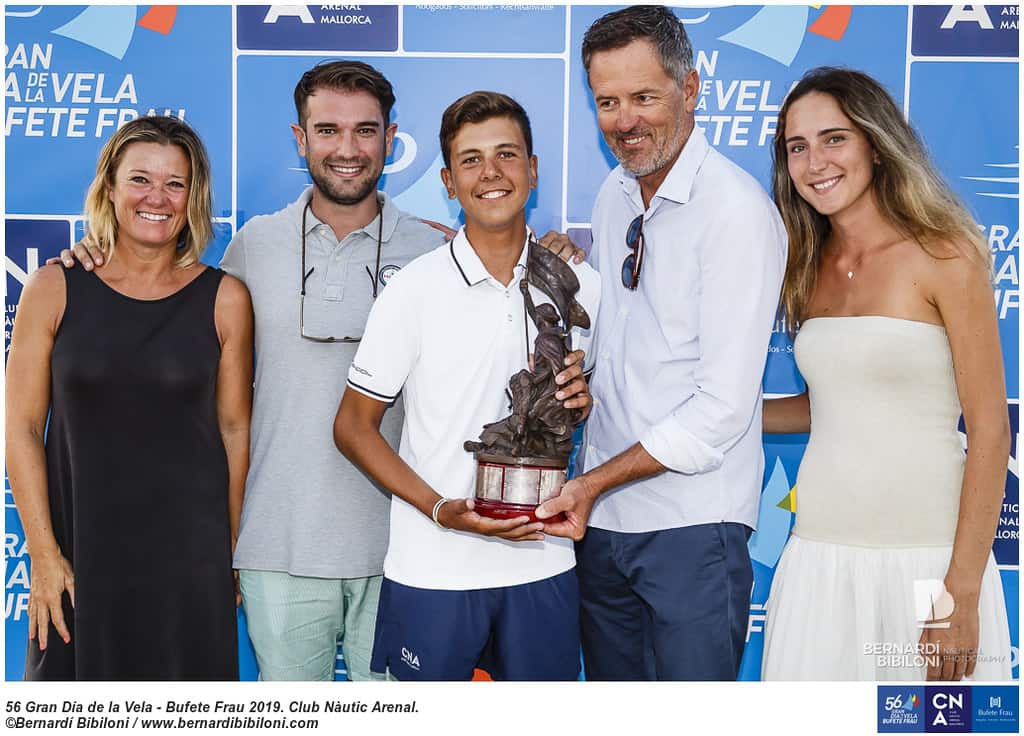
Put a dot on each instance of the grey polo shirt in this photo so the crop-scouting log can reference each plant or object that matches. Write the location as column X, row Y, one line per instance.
column 307, row 510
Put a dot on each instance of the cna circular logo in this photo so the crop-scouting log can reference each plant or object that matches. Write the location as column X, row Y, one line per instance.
column 108, row 28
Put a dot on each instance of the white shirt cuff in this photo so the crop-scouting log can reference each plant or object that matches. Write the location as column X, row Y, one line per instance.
column 678, row 450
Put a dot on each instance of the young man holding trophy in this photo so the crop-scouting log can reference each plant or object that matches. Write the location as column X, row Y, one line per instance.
column 477, row 335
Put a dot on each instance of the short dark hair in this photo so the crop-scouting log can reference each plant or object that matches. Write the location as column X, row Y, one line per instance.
column 653, row 23
column 347, row 76
column 476, row 107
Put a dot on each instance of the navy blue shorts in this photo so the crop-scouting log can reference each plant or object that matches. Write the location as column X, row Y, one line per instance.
column 521, row 632
column 665, row 605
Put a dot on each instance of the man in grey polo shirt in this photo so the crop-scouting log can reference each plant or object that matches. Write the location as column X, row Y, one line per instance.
column 314, row 528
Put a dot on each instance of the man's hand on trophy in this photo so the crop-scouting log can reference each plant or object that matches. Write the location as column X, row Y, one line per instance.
column 86, row 253
column 458, row 514
column 575, row 499
column 573, row 391
column 561, row 246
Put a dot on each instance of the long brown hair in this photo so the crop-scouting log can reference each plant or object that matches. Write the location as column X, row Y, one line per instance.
column 911, row 195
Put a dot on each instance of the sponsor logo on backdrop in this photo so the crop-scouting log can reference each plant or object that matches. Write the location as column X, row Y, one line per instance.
column 44, row 100
column 965, row 30
column 343, row 15
column 1000, row 180
column 16, row 575
column 327, row 27
column 744, row 112
column 774, row 518
column 900, row 709
column 1006, row 547
column 28, row 244
column 1003, row 242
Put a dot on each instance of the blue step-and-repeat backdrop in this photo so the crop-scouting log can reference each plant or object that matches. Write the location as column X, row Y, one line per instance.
column 73, row 74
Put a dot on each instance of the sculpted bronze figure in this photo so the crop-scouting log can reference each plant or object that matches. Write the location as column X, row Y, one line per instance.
column 539, row 426
column 521, row 459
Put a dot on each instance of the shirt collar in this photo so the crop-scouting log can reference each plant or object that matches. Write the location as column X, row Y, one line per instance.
column 468, row 263
column 389, row 213
column 678, row 185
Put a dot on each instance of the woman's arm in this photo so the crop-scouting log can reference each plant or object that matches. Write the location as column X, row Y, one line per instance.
column 28, row 401
column 234, row 320
column 791, row 415
column 962, row 293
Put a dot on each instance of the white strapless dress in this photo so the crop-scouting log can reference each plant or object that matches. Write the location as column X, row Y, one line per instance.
column 877, row 498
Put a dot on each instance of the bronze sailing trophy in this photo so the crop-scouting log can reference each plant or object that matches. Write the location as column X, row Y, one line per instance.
column 522, row 459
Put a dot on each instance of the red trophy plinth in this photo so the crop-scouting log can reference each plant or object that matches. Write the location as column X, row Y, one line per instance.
column 507, row 487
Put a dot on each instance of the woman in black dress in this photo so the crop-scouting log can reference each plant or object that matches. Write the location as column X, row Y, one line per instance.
column 131, row 505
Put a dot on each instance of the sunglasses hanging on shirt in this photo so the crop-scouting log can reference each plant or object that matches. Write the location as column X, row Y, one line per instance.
column 306, row 274
column 635, row 260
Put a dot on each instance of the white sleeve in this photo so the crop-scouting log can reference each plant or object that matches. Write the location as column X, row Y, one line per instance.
column 747, row 258
column 391, row 343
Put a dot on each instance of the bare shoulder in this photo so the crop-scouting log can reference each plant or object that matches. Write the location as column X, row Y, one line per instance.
column 46, row 281
column 45, row 292
column 955, row 266
column 233, row 309
column 232, row 294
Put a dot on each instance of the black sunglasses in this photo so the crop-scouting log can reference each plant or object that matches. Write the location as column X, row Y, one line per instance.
column 635, row 260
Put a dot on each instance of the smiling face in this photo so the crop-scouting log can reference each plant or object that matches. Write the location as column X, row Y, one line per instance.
column 491, row 173
column 644, row 115
column 150, row 194
column 830, row 160
column 345, row 141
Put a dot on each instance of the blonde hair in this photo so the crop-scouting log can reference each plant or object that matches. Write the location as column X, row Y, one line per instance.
column 99, row 210
column 911, row 195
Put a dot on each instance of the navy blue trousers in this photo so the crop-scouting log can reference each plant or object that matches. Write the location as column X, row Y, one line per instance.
column 664, row 605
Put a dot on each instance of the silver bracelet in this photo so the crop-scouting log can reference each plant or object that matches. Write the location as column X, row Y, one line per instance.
column 437, row 507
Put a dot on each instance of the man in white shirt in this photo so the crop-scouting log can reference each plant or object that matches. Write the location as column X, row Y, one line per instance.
column 691, row 253
column 461, row 590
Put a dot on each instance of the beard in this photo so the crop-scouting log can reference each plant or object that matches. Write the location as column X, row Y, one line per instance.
column 663, row 153
column 349, row 192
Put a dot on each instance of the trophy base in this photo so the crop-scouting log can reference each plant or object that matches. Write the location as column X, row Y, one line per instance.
column 501, row 510
column 507, row 487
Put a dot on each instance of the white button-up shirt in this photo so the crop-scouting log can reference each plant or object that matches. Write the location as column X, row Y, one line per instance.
column 449, row 336
column 680, row 360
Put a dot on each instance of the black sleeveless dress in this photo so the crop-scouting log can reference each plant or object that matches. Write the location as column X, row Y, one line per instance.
column 138, row 487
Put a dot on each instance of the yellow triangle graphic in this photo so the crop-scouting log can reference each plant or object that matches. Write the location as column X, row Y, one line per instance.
column 788, row 501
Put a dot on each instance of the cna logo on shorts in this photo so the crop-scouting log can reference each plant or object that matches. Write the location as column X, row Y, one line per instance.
column 900, row 709
column 410, row 659
column 965, row 30
column 334, row 28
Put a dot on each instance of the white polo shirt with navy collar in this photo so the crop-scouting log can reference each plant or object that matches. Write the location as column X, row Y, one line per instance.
column 448, row 335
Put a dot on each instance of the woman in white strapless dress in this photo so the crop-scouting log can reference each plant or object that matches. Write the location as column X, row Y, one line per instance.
column 888, row 574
